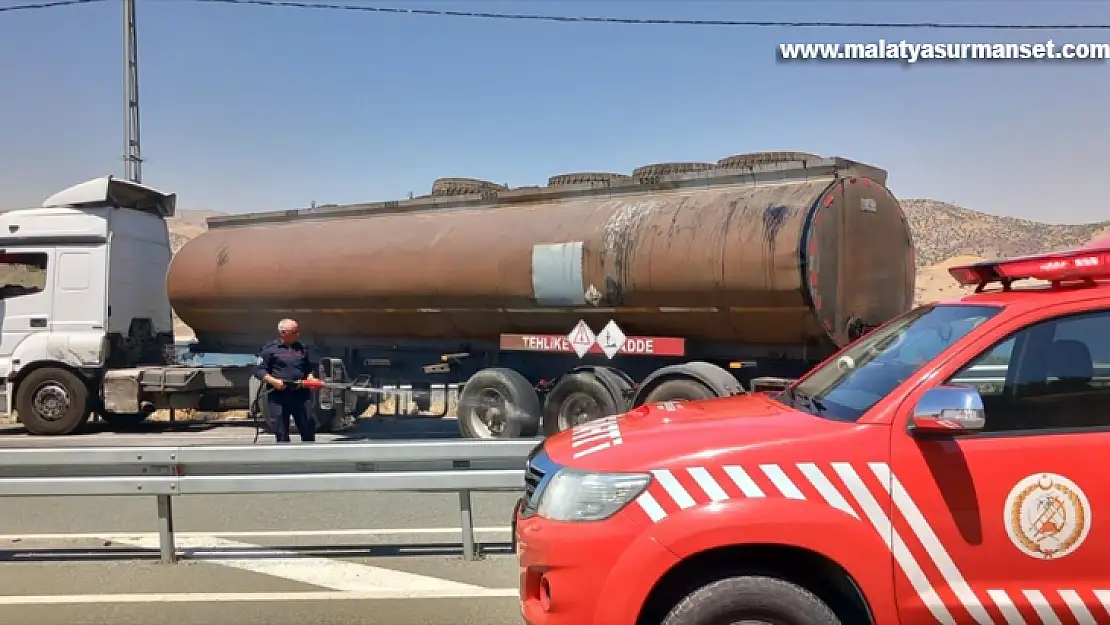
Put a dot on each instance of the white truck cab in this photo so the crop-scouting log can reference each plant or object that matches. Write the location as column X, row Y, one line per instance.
column 82, row 292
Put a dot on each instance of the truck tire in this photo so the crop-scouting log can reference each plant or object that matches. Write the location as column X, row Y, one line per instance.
column 52, row 402
column 577, row 398
column 678, row 390
column 498, row 403
column 751, row 600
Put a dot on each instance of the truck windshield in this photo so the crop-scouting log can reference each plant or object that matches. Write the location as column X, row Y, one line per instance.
column 847, row 386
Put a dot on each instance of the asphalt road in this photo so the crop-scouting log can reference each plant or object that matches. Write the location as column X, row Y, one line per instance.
column 331, row 558
column 236, row 432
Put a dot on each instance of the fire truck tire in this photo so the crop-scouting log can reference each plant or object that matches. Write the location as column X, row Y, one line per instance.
column 751, row 599
column 52, row 402
column 577, row 398
column 679, row 389
column 498, row 403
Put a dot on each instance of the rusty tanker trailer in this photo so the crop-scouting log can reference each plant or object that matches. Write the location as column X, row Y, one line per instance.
column 704, row 279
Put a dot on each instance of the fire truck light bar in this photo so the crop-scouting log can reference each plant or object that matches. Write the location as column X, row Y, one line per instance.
column 1075, row 265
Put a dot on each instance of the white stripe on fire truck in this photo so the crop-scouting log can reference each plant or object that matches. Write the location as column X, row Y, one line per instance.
column 1006, row 606
column 1040, row 605
column 781, row 481
column 706, row 482
column 924, row 533
column 1078, row 608
column 651, row 507
column 825, row 488
column 894, row 543
column 674, row 488
column 1103, row 598
column 743, row 481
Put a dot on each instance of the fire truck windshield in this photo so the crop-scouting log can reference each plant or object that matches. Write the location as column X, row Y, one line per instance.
column 847, row 386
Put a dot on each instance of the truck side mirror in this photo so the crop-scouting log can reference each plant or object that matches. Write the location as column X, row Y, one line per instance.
column 949, row 410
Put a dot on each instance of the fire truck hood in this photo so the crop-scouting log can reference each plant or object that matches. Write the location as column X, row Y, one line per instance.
column 661, row 433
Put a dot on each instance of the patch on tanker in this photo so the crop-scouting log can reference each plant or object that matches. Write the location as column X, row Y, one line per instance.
column 594, row 436
column 1047, row 516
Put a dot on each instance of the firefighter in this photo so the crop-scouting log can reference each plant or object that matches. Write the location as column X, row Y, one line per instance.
column 281, row 364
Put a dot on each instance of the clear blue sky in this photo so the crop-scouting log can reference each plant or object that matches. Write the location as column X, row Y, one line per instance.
column 251, row 108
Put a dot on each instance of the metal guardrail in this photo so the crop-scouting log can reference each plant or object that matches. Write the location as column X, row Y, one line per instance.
column 166, row 472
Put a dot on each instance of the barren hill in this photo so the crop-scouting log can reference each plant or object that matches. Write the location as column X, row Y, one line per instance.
column 945, row 235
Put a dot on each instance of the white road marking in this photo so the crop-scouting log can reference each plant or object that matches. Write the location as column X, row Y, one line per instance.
column 207, row 597
column 331, row 574
column 135, row 536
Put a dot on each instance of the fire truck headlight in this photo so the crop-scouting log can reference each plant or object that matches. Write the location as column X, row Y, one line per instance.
column 582, row 496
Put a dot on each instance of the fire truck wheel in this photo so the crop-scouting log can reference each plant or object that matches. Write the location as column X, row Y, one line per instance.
column 752, row 600
column 578, row 398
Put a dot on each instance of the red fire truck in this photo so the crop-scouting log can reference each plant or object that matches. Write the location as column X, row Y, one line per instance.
column 945, row 467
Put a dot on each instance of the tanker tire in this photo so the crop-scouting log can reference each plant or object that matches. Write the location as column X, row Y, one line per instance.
column 669, row 169
column 523, row 420
column 680, row 389
column 738, row 161
column 443, row 187
column 586, row 177
column 583, row 386
column 751, row 599
column 57, row 382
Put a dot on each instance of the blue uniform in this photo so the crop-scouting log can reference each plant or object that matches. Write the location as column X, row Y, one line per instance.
column 288, row 363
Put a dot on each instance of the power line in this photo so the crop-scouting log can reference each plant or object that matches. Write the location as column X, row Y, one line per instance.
column 293, row 4
column 585, row 19
column 46, row 5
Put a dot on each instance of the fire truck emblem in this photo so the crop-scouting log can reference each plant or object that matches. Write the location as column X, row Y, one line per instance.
column 1047, row 516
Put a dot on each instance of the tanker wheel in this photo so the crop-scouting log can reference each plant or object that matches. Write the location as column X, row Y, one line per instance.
column 680, row 389
column 578, row 398
column 498, row 403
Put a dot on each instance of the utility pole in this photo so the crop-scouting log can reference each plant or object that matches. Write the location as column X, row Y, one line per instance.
column 132, row 154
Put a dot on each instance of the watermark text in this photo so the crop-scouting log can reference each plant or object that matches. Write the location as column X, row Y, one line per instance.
column 907, row 52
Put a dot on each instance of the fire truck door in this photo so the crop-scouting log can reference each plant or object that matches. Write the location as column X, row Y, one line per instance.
column 1011, row 524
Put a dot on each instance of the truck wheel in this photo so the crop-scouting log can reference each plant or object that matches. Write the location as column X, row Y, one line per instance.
column 577, row 398
column 751, row 600
column 498, row 403
column 679, row 389
column 52, row 402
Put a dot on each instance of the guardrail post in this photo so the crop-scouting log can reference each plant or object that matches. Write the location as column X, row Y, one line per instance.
column 166, row 546
column 470, row 550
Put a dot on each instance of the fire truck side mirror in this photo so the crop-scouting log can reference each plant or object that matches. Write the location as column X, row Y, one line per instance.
column 949, row 410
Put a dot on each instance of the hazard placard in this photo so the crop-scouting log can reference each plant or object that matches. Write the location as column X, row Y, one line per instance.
column 581, row 338
column 611, row 339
